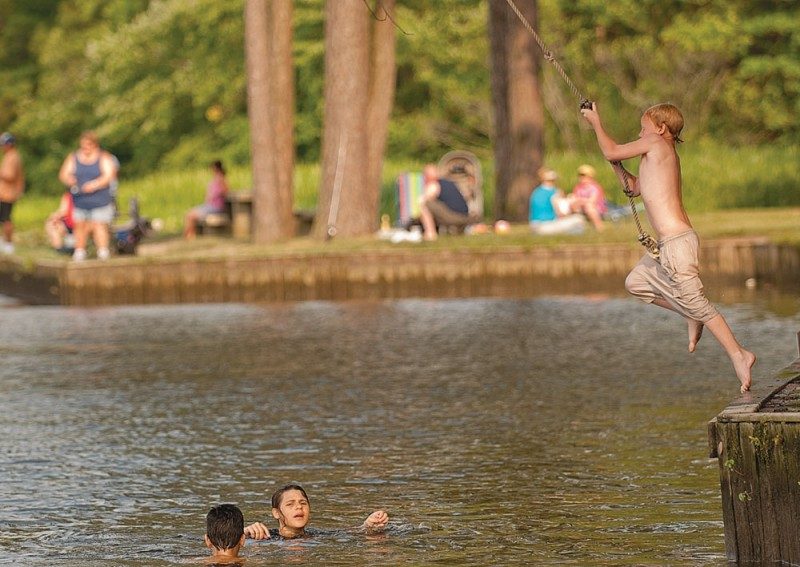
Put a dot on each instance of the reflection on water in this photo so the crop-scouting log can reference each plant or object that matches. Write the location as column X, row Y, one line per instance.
column 495, row 432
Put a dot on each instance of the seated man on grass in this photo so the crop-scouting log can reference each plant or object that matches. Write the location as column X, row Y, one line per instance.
column 442, row 205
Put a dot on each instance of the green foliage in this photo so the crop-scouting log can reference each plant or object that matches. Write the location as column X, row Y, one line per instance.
column 18, row 67
column 309, row 60
column 732, row 66
column 150, row 77
column 163, row 83
column 442, row 99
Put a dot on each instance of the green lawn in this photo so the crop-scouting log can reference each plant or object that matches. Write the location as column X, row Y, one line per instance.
column 727, row 191
column 776, row 224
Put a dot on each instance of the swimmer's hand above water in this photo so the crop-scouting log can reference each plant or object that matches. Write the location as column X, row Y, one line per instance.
column 256, row 531
column 376, row 522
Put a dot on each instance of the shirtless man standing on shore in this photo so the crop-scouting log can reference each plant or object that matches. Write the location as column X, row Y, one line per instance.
column 672, row 281
column 12, row 184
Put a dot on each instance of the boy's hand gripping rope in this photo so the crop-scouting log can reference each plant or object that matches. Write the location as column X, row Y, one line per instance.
column 644, row 239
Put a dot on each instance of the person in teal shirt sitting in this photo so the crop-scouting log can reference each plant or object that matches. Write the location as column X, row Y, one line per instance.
column 549, row 211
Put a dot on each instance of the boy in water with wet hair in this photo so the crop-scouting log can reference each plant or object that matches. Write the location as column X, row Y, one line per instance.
column 224, row 534
column 292, row 509
column 672, row 281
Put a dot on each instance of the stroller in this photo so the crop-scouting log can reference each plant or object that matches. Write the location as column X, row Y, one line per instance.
column 128, row 236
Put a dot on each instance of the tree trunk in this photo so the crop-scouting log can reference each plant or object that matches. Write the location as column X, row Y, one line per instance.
column 383, row 74
column 519, row 116
column 282, row 106
column 267, row 35
column 498, row 24
column 346, row 205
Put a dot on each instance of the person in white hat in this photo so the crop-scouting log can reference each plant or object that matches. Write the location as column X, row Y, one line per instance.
column 588, row 197
column 12, row 184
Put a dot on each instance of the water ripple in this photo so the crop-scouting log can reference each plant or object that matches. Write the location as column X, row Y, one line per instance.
column 493, row 431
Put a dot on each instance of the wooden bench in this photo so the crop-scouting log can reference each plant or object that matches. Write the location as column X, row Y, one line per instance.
column 216, row 223
column 237, row 218
column 304, row 219
column 241, row 207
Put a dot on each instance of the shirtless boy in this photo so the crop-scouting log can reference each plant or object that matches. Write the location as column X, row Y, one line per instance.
column 12, row 184
column 224, row 534
column 672, row 281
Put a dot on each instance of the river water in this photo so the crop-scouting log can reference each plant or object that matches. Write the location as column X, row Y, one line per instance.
column 553, row 430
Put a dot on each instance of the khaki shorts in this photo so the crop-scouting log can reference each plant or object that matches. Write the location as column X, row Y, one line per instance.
column 675, row 278
column 443, row 215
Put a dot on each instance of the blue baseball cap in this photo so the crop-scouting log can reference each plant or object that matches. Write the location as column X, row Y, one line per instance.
column 7, row 138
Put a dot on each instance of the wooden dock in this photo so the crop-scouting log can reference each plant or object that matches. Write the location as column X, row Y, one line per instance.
column 383, row 273
column 756, row 440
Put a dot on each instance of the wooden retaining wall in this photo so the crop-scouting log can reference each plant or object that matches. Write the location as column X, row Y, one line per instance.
column 31, row 283
column 757, row 442
column 394, row 273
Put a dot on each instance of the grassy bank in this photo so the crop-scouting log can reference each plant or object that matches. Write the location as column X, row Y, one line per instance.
column 716, row 178
column 779, row 225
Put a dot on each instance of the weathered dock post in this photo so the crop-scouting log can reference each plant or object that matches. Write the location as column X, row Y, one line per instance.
column 757, row 442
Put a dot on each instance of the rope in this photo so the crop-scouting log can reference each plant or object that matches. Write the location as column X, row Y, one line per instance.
column 386, row 15
column 548, row 55
column 644, row 239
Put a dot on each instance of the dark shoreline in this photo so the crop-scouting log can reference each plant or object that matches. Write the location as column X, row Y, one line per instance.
column 386, row 274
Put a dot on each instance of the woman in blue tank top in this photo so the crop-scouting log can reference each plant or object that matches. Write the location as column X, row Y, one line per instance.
column 549, row 211
column 88, row 173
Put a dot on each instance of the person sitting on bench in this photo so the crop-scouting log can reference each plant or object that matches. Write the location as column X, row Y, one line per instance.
column 216, row 191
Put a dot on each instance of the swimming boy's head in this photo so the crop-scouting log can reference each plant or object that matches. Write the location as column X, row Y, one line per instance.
column 669, row 116
column 291, row 507
column 224, row 527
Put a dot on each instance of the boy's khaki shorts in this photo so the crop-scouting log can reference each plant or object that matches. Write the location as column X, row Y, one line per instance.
column 675, row 278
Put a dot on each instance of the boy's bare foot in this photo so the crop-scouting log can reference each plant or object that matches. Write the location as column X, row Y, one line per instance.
column 695, row 332
column 742, row 364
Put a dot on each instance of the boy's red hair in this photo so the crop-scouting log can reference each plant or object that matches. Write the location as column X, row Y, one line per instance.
column 668, row 115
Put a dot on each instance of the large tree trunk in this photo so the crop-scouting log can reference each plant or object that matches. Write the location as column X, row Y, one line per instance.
column 282, row 95
column 346, row 206
column 519, row 116
column 498, row 24
column 270, row 101
column 383, row 74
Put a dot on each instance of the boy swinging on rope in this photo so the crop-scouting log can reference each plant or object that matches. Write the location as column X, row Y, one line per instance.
column 672, row 281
